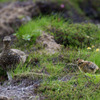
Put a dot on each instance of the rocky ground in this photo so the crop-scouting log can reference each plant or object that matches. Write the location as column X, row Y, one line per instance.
column 22, row 91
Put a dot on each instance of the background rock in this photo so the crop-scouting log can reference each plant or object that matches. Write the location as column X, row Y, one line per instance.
column 15, row 14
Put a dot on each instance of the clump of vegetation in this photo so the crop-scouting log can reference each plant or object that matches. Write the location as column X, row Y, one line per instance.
column 79, row 87
column 80, row 35
column 65, row 33
column 33, row 29
column 28, row 31
column 95, row 57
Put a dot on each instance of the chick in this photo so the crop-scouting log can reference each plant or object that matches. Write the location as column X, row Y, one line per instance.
column 10, row 57
column 87, row 66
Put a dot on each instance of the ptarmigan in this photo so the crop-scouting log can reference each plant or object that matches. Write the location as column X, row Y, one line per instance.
column 10, row 57
column 87, row 66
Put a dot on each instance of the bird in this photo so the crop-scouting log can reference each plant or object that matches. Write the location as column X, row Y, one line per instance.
column 9, row 58
column 87, row 66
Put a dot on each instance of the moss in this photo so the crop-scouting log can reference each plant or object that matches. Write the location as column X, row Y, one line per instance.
column 65, row 33
column 80, row 35
column 95, row 58
column 30, row 75
column 80, row 87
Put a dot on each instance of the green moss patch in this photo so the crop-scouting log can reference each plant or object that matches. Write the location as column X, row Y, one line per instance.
column 79, row 87
column 65, row 33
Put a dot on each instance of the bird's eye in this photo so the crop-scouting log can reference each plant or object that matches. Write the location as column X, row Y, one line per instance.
column 80, row 63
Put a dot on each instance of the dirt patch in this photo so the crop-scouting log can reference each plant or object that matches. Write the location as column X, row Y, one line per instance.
column 48, row 42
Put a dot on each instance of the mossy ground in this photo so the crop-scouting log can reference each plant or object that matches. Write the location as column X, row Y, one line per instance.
column 53, row 68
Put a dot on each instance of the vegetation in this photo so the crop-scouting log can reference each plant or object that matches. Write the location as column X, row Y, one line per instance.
column 65, row 33
column 80, row 87
column 60, row 79
column 75, row 85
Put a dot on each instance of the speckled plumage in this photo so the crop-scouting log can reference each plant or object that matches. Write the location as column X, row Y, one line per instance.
column 10, row 57
column 87, row 66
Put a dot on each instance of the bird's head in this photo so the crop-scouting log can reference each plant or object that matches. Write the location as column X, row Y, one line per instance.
column 80, row 61
column 7, row 40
